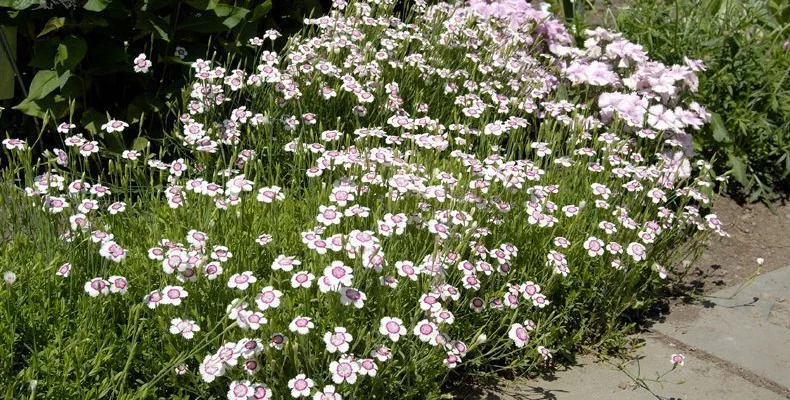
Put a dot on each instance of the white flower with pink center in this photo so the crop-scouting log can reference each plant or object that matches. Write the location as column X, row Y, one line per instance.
column 172, row 295
column 338, row 340
column 678, row 359
column 118, row 284
column 302, row 279
column 546, row 353
column 270, row 194
column 268, row 298
column 327, row 393
column 300, row 386
column 261, row 392
column 114, row 125
column 351, row 296
column 142, row 64
column 426, row 331
column 393, row 328
column 64, row 270
column 242, row 281
column 328, row 215
column 637, row 251
column 97, row 286
column 240, row 390
column 594, row 246
column 285, row 263
column 339, row 274
column 344, row 370
column 183, row 327
column 519, row 335
column 301, row 325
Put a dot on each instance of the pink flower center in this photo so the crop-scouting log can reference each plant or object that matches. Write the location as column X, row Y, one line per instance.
column 344, row 370
column 393, row 327
column 337, row 339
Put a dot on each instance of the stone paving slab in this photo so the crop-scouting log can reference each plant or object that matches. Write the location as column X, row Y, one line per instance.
column 699, row 379
column 736, row 343
column 749, row 327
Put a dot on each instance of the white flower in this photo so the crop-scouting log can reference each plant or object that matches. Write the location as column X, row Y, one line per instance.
column 302, row 279
column 300, row 386
column 636, row 251
column 241, row 281
column 426, row 330
column 118, row 284
column 544, row 352
column 285, row 263
column 64, row 270
column 211, row 368
column 141, row 64
column 519, row 335
column 268, row 298
column 301, row 325
column 96, row 287
column 338, row 341
column 261, row 392
column 594, row 246
column 392, row 328
column 349, row 295
column 328, row 393
column 114, row 125
column 10, row 277
column 180, row 52
column 344, row 370
column 185, row 328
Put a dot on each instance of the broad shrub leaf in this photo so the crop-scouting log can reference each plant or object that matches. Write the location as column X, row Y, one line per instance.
column 719, row 130
column 203, row 4
column 44, row 83
column 96, row 5
column 154, row 24
column 738, row 169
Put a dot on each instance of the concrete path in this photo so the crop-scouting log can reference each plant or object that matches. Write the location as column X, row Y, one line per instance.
column 736, row 343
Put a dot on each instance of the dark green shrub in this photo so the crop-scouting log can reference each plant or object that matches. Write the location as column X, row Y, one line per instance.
column 75, row 57
column 745, row 47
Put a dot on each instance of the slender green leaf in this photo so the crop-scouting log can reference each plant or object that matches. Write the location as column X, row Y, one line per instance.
column 52, row 25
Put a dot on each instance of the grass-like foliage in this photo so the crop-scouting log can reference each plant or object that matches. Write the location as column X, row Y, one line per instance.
column 746, row 48
column 382, row 203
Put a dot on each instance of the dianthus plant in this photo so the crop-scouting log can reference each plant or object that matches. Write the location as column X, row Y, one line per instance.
column 381, row 202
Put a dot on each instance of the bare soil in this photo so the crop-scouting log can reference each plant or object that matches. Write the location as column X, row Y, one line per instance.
column 756, row 231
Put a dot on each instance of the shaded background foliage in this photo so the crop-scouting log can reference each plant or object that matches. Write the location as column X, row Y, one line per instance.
column 74, row 58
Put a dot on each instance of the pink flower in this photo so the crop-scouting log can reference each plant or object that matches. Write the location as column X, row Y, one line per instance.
column 678, row 359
